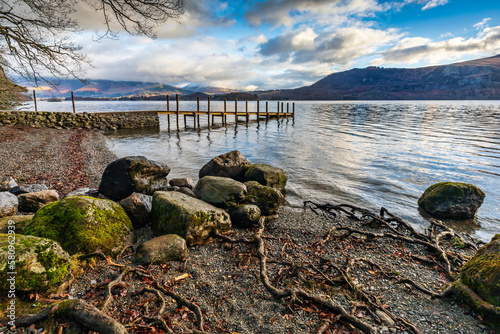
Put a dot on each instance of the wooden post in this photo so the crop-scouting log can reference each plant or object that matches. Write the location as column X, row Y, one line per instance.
column 208, row 113
column 168, row 109
column 282, row 110
column 258, row 112
column 225, row 110
column 177, row 112
column 293, row 109
column 248, row 115
column 267, row 110
column 73, row 101
column 287, row 109
column 34, row 99
column 236, row 111
column 278, row 110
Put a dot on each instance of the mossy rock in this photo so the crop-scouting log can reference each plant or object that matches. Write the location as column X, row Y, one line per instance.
column 232, row 164
column 40, row 263
column 266, row 198
column 20, row 221
column 194, row 220
column 162, row 249
column 83, row 225
column 220, row 191
column 452, row 200
column 267, row 176
column 245, row 215
column 482, row 272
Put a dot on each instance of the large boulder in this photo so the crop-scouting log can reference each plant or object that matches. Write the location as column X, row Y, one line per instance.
column 232, row 164
column 39, row 263
column 482, row 272
column 83, row 225
column 83, row 192
column 19, row 221
column 8, row 204
column 7, row 183
column 191, row 218
column 138, row 208
column 220, row 191
column 165, row 248
column 124, row 176
column 28, row 188
column 267, row 176
column 245, row 215
column 452, row 200
column 268, row 199
column 184, row 182
column 31, row 202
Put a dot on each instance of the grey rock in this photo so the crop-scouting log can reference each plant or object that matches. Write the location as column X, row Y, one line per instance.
column 124, row 176
column 220, row 191
column 7, row 183
column 245, row 215
column 268, row 199
column 31, row 202
column 8, row 204
column 191, row 218
column 138, row 208
column 84, row 192
column 267, row 176
column 186, row 191
column 165, row 248
column 232, row 164
column 28, row 188
column 386, row 320
column 452, row 200
column 182, row 182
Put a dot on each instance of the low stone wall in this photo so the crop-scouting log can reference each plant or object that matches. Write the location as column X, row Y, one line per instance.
column 65, row 120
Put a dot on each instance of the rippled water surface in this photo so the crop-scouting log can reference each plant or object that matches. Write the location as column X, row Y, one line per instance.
column 369, row 154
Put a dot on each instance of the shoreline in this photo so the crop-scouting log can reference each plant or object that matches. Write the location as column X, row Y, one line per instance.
column 224, row 278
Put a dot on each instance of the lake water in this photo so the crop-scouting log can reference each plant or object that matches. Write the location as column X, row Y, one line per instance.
column 370, row 154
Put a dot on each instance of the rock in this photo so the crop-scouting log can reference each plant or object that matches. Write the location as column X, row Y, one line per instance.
column 28, row 188
column 386, row 320
column 187, row 191
column 31, row 202
column 267, row 176
column 40, row 263
column 245, row 215
column 8, row 204
column 84, row 192
column 232, row 165
column 19, row 222
column 124, row 176
column 7, row 183
column 452, row 200
column 138, row 208
column 220, row 191
column 165, row 248
column 186, row 182
column 83, row 225
column 482, row 272
column 268, row 199
column 191, row 218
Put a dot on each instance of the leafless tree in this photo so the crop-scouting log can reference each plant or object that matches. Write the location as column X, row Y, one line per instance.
column 35, row 35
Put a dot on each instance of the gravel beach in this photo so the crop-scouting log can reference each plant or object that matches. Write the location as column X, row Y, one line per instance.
column 223, row 278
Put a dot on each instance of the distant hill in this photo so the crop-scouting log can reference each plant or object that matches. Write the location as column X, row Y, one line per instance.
column 209, row 90
column 476, row 79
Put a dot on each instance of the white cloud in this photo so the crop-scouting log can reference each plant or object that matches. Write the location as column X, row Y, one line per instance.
column 483, row 24
column 429, row 4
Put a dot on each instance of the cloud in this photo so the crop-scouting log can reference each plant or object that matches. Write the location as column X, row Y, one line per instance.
column 429, row 4
column 483, row 24
column 302, row 39
column 415, row 50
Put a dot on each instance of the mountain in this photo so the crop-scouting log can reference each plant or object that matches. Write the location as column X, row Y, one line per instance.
column 110, row 89
column 477, row 79
column 209, row 90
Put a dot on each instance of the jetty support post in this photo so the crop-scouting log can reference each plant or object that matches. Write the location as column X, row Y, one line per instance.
column 293, row 110
column 224, row 115
column 168, row 109
column 287, row 109
column 177, row 111
column 282, row 109
column 73, row 102
column 258, row 112
column 267, row 111
column 208, row 113
column 247, row 114
column 34, row 99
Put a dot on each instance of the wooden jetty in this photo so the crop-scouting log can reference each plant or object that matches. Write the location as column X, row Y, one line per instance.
column 258, row 115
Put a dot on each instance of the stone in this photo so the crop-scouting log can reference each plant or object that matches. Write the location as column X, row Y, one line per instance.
column 452, row 200
column 39, row 265
column 28, row 188
column 194, row 220
column 8, row 204
column 232, row 164
column 481, row 273
column 19, row 222
column 220, row 191
column 83, row 225
column 186, row 191
column 245, row 215
column 137, row 174
column 7, row 183
column 386, row 320
column 31, row 202
column 186, row 182
column 84, row 192
column 165, row 248
column 267, row 176
column 138, row 208
column 268, row 199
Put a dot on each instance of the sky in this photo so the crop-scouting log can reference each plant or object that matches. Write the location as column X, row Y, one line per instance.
column 274, row 44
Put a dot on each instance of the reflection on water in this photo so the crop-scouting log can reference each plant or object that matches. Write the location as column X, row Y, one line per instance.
column 370, row 154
